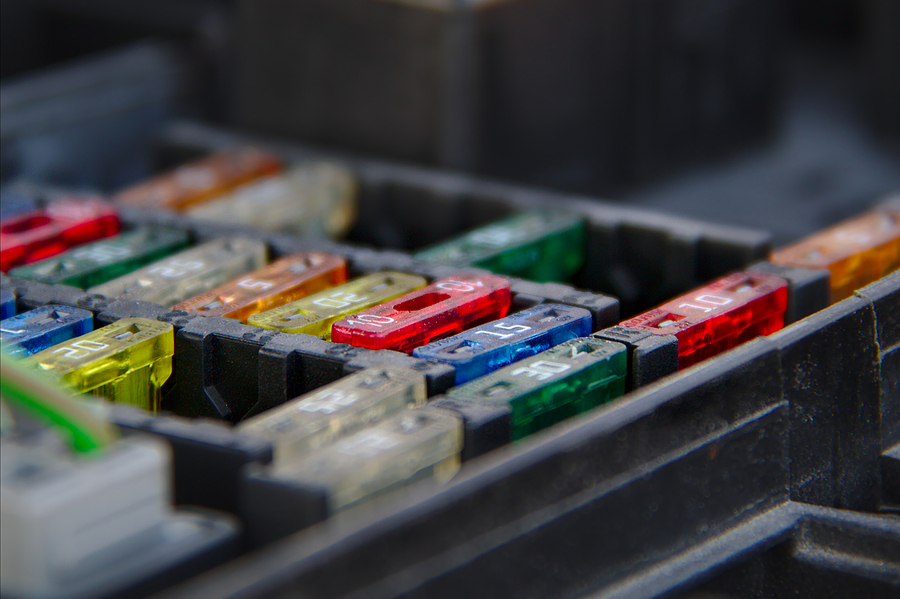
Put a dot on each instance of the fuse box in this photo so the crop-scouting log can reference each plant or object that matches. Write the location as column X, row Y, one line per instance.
column 513, row 460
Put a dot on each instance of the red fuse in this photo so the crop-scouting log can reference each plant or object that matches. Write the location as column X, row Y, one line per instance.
column 441, row 309
column 720, row 316
column 55, row 228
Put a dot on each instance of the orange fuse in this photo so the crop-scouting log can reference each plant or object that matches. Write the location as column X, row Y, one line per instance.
column 857, row 251
column 281, row 282
column 202, row 180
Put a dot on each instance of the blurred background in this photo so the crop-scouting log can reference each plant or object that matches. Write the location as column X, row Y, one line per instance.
column 775, row 114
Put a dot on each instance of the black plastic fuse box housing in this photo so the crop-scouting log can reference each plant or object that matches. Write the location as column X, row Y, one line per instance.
column 747, row 465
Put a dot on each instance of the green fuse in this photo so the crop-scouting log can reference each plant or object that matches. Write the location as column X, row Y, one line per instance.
column 127, row 361
column 540, row 245
column 104, row 260
column 569, row 379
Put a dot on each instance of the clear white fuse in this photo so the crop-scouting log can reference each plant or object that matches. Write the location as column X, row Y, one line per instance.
column 335, row 410
column 188, row 273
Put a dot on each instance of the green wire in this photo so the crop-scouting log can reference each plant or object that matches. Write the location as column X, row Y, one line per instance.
column 52, row 405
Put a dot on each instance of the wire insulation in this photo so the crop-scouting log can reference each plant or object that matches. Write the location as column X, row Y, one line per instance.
column 48, row 402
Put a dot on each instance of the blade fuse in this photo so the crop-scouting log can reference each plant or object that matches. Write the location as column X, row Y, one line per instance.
column 569, row 379
column 335, row 410
column 283, row 281
column 201, row 180
column 101, row 261
column 7, row 304
column 443, row 308
column 540, row 245
column 410, row 446
column 857, row 252
column 316, row 199
column 486, row 348
column 57, row 227
column 315, row 314
column 127, row 361
column 43, row 327
column 722, row 315
column 187, row 273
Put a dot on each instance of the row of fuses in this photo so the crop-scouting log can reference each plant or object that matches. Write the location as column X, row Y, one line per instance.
column 361, row 312
column 241, row 186
column 244, row 187
column 349, row 440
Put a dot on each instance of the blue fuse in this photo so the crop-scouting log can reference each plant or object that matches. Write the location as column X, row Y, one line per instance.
column 7, row 304
column 492, row 346
column 36, row 330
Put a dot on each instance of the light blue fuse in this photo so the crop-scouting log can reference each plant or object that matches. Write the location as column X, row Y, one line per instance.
column 7, row 304
column 492, row 346
column 36, row 330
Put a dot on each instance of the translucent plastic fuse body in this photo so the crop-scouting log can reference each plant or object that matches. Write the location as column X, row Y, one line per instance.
column 569, row 379
column 7, row 304
column 60, row 225
column 486, row 348
column 541, row 245
column 412, row 445
column 127, row 361
column 315, row 314
column 856, row 252
column 201, row 180
column 312, row 199
column 313, row 420
column 98, row 262
column 187, row 273
column 443, row 308
column 722, row 315
column 283, row 281
column 43, row 327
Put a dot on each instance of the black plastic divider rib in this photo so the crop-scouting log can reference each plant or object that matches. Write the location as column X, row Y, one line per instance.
column 611, row 496
column 640, row 256
column 885, row 297
column 207, row 455
column 821, row 552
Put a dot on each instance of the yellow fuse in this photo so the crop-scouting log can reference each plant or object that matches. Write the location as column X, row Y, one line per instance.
column 315, row 314
column 857, row 251
column 336, row 410
column 127, row 361
column 283, row 281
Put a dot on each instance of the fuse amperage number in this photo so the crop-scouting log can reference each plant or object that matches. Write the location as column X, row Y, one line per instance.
column 491, row 346
column 335, row 410
column 281, row 282
column 857, row 252
column 540, row 245
column 62, row 224
column 187, row 273
column 315, row 314
column 127, row 361
column 33, row 331
column 200, row 180
column 100, row 261
column 719, row 316
column 569, row 379
column 444, row 308
column 411, row 445
column 7, row 304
